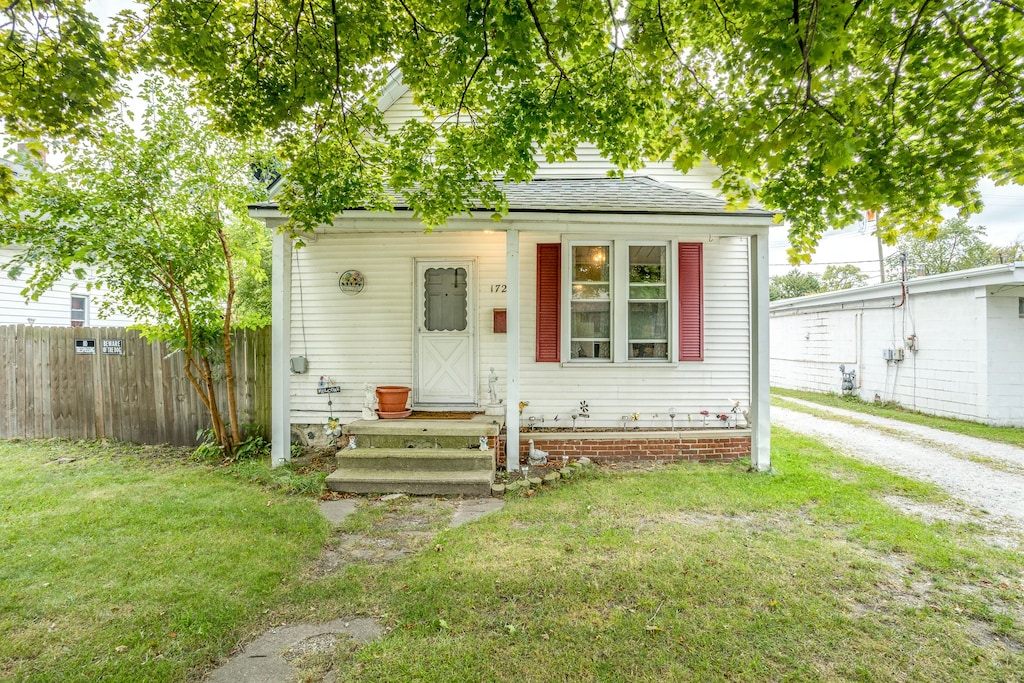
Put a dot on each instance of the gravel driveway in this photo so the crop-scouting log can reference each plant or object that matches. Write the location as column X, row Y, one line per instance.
column 986, row 475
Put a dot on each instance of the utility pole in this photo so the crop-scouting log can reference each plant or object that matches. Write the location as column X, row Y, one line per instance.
column 881, row 261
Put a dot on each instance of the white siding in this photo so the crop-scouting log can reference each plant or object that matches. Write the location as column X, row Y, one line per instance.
column 968, row 364
column 53, row 308
column 368, row 337
column 1006, row 358
column 588, row 163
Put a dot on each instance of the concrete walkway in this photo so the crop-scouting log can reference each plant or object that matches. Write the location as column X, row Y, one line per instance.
column 986, row 475
column 269, row 658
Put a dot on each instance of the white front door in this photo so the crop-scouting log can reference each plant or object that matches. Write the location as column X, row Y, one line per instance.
column 445, row 333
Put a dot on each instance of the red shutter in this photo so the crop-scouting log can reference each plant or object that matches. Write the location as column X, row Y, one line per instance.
column 549, row 302
column 691, row 301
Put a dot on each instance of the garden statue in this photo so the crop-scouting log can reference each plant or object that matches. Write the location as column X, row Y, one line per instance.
column 492, row 387
column 369, row 402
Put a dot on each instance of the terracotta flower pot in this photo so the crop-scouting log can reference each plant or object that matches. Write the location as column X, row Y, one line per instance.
column 392, row 399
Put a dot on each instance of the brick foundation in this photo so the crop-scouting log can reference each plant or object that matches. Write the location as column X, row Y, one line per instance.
column 717, row 445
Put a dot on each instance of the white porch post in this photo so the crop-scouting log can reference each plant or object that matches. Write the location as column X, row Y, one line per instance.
column 760, row 378
column 512, row 351
column 280, row 351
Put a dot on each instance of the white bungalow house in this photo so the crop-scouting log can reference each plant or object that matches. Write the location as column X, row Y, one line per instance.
column 635, row 308
column 947, row 344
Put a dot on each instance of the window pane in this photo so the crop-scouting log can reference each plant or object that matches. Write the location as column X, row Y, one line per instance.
column 582, row 349
column 647, row 264
column 446, row 299
column 602, row 291
column 648, row 350
column 591, row 320
column 648, row 329
column 647, row 291
column 648, row 320
column 590, row 264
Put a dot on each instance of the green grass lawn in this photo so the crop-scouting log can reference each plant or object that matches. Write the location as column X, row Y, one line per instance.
column 131, row 563
column 1011, row 435
column 689, row 572
column 696, row 572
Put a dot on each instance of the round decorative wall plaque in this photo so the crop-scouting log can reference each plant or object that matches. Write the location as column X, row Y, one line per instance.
column 351, row 282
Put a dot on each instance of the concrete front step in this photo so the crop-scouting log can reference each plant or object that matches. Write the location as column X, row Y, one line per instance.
column 424, row 428
column 411, row 459
column 394, row 440
column 419, row 482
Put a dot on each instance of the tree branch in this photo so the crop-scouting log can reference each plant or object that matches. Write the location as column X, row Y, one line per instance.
column 479, row 63
column 992, row 71
column 544, row 39
column 679, row 60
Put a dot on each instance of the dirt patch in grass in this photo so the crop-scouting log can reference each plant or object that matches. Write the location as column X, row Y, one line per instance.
column 981, row 634
column 390, row 531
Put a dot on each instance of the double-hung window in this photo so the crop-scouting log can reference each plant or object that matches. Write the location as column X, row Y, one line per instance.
column 648, row 302
column 611, row 279
column 79, row 311
column 620, row 301
column 590, row 302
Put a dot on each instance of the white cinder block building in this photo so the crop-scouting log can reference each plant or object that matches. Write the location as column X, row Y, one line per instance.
column 950, row 344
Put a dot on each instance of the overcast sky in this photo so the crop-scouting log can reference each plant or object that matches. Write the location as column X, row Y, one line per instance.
column 1003, row 216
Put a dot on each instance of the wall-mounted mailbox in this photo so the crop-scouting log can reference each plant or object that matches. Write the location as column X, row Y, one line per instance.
column 500, row 321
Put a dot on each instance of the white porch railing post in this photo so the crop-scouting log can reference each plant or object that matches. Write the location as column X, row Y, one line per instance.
column 512, row 351
column 760, row 378
column 280, row 351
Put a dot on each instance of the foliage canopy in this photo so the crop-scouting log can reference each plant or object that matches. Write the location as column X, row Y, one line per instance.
column 956, row 246
column 817, row 110
column 838, row 277
column 160, row 215
column 793, row 284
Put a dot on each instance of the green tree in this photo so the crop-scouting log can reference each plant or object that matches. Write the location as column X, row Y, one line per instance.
column 56, row 74
column 842, row 277
column 955, row 245
column 161, row 218
column 817, row 110
column 793, row 284
column 1010, row 253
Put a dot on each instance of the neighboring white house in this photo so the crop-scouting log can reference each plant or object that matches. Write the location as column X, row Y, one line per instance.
column 639, row 297
column 950, row 344
column 67, row 304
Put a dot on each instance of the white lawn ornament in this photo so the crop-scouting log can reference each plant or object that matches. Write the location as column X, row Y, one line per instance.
column 537, row 456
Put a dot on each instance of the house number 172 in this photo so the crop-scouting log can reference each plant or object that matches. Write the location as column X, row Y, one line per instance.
column 499, row 288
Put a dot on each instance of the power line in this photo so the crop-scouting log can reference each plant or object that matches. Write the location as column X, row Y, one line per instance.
column 827, row 263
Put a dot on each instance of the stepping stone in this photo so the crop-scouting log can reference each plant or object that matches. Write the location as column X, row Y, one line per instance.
column 337, row 510
column 471, row 510
column 262, row 660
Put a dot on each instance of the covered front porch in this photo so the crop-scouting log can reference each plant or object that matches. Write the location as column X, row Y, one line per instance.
column 373, row 337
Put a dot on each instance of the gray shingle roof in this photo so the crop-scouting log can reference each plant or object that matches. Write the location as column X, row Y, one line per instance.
column 631, row 195
column 634, row 194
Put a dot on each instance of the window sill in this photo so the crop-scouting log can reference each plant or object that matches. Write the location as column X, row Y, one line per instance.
column 623, row 364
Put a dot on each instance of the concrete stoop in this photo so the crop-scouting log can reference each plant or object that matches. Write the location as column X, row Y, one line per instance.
column 422, row 457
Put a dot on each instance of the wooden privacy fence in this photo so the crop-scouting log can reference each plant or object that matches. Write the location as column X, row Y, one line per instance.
column 108, row 382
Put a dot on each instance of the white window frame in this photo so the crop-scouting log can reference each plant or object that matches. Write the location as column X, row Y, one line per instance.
column 619, row 292
column 85, row 310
